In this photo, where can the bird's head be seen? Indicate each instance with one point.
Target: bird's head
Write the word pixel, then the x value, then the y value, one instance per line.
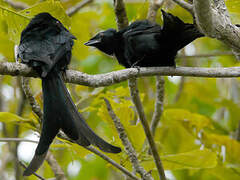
pixel 45 19
pixel 104 41
pixel 42 22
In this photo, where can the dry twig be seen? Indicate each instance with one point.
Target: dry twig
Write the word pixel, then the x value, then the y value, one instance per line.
pixel 127 144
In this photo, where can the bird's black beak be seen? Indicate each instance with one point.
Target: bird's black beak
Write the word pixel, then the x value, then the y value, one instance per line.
pixel 92 42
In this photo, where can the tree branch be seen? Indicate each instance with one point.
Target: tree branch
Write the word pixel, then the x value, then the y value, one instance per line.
pixel 35 106
pixel 72 10
pixel 118 166
pixel 17 140
pixel 107 79
pixel 153 8
pixel 58 172
pixel 214 21
pixel 180 89
pixel 35 174
pixel 127 144
pixel 90 148
pixel 137 102
pixel 152 12
pixel 121 15
pixel 158 104
pixel 185 5
pixel 213 54
pixel 16 5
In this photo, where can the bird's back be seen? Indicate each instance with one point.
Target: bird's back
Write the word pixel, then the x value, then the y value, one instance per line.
pixel 43 46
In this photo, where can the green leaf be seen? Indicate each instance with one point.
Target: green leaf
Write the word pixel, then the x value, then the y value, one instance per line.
pixel 197 159
pixel 188 119
pixel 232 146
pixel 17 21
pixel 7 117
pixel 224 173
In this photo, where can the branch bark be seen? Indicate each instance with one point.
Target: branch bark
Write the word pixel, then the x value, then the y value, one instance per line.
pixel 127 144
pixel 153 8
pixel 16 5
pixel 121 15
pixel 185 5
pixel 213 54
pixel 115 164
pixel 29 95
pixel 71 11
pixel 35 174
pixel 90 148
pixel 137 102
pixel 214 21
pixel 107 79
pixel 58 172
pixel 158 104
pixel 152 12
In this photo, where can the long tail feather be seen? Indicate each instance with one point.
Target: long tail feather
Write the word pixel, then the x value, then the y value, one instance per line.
pixel 61 113
pixel 78 121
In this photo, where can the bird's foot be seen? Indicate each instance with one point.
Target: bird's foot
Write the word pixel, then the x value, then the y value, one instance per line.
pixel 138 67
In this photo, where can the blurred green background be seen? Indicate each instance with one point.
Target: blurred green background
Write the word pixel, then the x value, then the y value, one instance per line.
pixel 197 134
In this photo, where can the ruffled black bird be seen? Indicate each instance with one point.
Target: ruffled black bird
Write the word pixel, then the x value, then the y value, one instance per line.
pixel 147 44
pixel 46 46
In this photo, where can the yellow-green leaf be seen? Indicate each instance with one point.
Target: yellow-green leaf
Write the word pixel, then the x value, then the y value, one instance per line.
pixel 186 117
pixel 10 117
pixel 17 21
pixel 197 159
pixel 232 146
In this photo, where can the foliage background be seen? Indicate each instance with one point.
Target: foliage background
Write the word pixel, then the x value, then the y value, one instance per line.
pixel 197 132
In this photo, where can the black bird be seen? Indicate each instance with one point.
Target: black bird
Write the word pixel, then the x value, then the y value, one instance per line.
pixel 146 44
pixel 46 46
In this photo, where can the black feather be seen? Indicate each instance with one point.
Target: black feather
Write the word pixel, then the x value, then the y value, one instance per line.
pixel 147 44
pixel 46 46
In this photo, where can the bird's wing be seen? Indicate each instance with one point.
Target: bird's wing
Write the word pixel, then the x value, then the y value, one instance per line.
pixel 141 40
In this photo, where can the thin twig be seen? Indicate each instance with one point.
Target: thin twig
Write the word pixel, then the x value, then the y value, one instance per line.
pixel 180 89
pixel 35 106
pixel 122 22
pixel 115 164
pixel 17 5
pixel 238 132
pixel 214 54
pixel 153 8
pixel 121 15
pixel 158 104
pixel 127 144
pixel 58 172
pixel 19 112
pixel 38 176
pixel 90 148
pixel 17 140
pixel 72 10
pixel 185 5
pixel 152 12
pixel 137 102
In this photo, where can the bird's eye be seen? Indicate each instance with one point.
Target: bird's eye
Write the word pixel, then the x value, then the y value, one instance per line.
pixel 57 22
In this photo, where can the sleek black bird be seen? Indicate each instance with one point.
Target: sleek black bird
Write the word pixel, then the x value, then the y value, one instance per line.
pixel 146 44
pixel 46 46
